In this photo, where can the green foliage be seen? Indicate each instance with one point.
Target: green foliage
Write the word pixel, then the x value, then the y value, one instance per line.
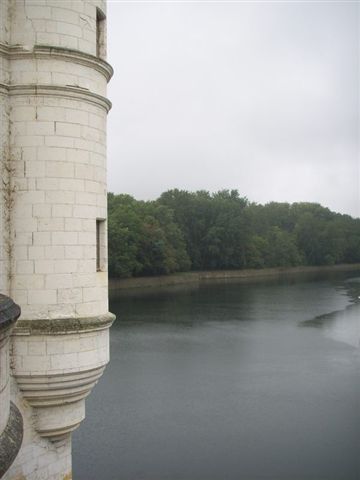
pixel 214 226
pixel 256 251
pixel 203 231
pixel 143 239
pixel 281 249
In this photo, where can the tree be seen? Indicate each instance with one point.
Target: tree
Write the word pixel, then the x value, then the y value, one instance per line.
pixel 143 238
pixel 281 249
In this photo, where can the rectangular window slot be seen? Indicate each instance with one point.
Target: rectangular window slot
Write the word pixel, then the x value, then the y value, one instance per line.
pixel 100 246
pixel 100 34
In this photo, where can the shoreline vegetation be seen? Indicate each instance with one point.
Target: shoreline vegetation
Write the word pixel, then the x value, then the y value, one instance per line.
pixel 184 278
pixel 223 235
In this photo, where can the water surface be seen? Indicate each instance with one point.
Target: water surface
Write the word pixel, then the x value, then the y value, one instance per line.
pixel 229 381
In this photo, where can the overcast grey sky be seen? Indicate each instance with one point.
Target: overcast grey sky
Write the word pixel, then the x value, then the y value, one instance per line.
pixel 262 97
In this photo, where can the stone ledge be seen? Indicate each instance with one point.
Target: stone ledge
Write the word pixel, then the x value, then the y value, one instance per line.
pixel 64 326
pixel 11 439
pixel 66 92
pixel 14 52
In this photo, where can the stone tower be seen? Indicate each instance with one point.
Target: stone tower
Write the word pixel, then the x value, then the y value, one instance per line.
pixel 53 252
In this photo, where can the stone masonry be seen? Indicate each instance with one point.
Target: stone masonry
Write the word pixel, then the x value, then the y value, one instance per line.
pixel 53 251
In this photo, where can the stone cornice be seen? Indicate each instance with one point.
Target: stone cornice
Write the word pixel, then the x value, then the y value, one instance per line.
pixel 63 326
pixel 67 91
pixel 59 53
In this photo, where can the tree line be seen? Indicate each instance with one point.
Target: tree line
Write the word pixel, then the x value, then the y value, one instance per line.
pixel 182 231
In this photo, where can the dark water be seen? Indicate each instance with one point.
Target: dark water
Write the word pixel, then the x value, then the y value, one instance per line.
pixel 229 381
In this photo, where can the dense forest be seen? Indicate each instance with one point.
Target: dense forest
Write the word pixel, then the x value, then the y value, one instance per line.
pixel 182 231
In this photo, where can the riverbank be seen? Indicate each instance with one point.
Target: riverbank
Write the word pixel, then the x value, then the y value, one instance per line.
pixel 116 284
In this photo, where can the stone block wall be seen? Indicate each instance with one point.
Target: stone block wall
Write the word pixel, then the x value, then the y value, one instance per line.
pixel 60 184
pixel 4 137
pixel 66 23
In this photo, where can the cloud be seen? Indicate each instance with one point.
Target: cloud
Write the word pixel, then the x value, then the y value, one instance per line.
pixel 262 97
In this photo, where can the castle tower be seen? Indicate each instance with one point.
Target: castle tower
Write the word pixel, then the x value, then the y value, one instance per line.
pixel 53 260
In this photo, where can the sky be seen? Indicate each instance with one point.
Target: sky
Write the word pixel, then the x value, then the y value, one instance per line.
pixel 262 97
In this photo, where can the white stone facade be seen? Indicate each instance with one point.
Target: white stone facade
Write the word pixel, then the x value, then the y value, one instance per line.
pixel 53 260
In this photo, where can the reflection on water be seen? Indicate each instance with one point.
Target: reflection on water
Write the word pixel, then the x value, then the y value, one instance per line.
pixel 219 382
pixel 343 325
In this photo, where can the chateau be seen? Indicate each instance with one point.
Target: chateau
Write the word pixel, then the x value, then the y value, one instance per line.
pixel 53 251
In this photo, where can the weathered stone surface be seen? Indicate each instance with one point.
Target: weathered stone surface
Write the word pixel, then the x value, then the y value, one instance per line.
pixel 9 312
pixel 64 325
pixel 10 440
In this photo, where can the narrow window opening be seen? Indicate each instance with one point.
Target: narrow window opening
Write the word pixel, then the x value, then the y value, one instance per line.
pixel 100 34
pixel 100 245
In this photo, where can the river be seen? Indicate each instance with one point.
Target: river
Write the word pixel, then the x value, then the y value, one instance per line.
pixel 229 381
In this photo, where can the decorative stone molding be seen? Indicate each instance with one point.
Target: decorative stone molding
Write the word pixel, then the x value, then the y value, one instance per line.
pixel 68 92
pixel 59 326
pixel 46 391
pixel 48 52
pixel 58 400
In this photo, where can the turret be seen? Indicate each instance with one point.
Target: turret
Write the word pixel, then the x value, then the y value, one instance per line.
pixel 53 78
